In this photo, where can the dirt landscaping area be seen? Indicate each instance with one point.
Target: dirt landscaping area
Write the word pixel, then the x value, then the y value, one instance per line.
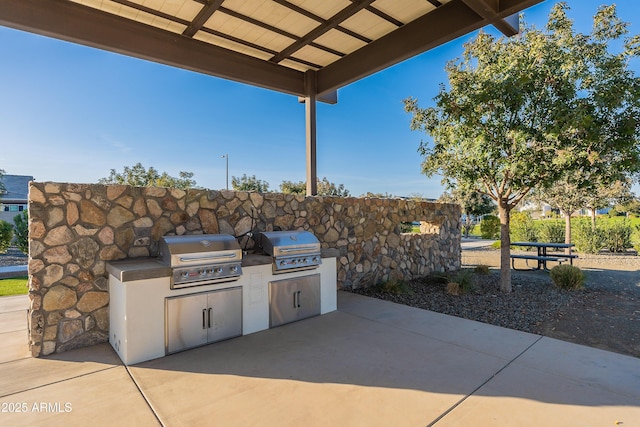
pixel 605 314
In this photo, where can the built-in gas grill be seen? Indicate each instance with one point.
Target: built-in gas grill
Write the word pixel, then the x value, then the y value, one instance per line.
pixel 201 259
pixel 291 250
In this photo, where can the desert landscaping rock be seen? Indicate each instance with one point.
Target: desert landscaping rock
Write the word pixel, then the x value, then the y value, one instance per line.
pixel 605 314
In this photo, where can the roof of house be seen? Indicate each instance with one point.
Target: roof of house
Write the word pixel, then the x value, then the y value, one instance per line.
pixel 16 188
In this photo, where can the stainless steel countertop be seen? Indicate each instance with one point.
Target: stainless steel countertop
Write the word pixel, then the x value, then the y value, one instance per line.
pixel 132 269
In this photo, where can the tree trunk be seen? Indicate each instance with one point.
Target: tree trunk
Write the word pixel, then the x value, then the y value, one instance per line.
pixel 467 221
pixel 505 250
pixel 567 231
pixel 593 220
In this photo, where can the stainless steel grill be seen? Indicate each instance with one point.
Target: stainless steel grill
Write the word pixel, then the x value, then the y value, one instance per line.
pixel 201 259
pixel 291 250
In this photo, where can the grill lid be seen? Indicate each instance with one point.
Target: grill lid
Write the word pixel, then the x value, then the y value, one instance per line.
pixel 199 249
pixel 287 243
pixel 291 250
pixel 201 259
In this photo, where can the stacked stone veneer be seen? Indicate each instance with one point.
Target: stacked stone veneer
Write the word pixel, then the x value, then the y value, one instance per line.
pixel 75 229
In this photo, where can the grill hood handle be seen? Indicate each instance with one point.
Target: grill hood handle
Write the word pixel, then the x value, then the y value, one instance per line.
pixel 299 248
pixel 202 258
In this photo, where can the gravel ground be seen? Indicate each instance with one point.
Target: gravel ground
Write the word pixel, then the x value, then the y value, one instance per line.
pixel 605 314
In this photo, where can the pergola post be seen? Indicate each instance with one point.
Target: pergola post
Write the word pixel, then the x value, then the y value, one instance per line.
pixel 310 131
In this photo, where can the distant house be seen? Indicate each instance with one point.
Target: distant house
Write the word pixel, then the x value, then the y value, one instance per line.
pixel 14 197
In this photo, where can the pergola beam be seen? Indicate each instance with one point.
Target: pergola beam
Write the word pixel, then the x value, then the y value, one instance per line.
pixel 444 24
pixel 80 24
pixel 488 10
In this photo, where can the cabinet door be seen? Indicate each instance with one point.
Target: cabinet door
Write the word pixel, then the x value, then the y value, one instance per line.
pixel 293 299
pixel 308 297
pixel 186 322
pixel 224 314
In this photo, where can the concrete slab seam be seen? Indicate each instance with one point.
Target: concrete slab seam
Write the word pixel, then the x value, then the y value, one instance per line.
pixel 56 382
pixel 144 396
pixel 458 403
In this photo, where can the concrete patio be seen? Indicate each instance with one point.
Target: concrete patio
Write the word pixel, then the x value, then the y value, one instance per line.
pixel 370 363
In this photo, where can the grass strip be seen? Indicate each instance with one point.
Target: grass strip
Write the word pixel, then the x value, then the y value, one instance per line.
pixel 14 286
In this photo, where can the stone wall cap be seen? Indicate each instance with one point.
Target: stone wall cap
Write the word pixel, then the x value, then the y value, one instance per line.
pixel 132 269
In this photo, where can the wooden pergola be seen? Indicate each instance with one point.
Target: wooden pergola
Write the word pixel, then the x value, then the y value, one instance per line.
pixel 306 48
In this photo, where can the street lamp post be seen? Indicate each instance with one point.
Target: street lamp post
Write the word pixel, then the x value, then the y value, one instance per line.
pixel 226 156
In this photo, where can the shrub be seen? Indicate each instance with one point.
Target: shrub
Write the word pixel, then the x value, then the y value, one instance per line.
pixel 586 239
pixel 617 236
pixel 490 227
pixel 394 286
pixel 406 227
pixel 460 284
pixel 481 269
pixel 567 276
pixel 6 234
pixel 552 231
pixel 523 228
pixel 21 230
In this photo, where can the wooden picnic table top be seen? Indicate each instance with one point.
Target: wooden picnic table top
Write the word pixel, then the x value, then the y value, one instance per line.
pixel 543 244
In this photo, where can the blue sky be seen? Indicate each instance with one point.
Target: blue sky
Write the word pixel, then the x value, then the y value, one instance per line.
pixel 70 113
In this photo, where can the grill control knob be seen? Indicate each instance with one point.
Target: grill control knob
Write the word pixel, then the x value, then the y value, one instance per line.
pixel 234 269
pixel 185 274
pixel 217 270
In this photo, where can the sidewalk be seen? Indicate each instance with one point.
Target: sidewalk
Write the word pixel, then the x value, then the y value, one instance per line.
pixel 371 363
pixel 13 271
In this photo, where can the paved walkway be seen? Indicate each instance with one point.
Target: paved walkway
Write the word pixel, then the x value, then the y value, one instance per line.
pixel 371 363
pixel 13 271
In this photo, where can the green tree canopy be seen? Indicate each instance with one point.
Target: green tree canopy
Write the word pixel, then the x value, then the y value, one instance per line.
pixel 21 231
pixel 249 183
pixel 139 176
pixel 472 203
pixel 520 112
pixel 325 188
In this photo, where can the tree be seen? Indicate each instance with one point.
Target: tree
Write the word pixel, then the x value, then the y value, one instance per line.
pixel 249 183
pixel 630 206
pixel 21 231
pixel 378 195
pixel 6 234
pixel 138 176
pixel 325 188
pixel 618 192
pixel 522 111
pixel 568 198
pixel 290 187
pixel 472 203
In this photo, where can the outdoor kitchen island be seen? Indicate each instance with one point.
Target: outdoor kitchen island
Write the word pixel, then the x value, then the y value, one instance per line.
pixel 140 293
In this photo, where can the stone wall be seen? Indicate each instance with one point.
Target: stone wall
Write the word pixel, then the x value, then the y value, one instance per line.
pixel 74 229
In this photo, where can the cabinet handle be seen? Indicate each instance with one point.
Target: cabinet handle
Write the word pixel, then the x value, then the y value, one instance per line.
pixel 204 310
pixel 296 299
pixel 209 317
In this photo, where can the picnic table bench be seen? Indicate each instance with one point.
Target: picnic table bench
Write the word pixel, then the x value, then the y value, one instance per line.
pixel 543 256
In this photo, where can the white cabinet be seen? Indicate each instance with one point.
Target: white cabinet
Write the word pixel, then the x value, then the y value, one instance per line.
pixel 203 318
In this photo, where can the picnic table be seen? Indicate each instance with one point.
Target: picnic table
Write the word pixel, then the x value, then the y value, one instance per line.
pixel 543 256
